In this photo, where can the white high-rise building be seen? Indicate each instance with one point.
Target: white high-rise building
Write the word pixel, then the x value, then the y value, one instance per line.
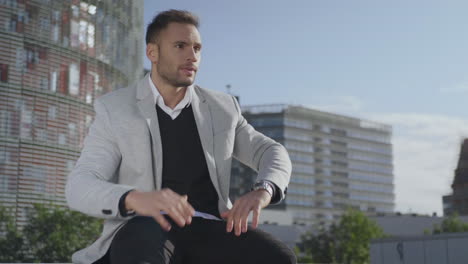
pixel 338 162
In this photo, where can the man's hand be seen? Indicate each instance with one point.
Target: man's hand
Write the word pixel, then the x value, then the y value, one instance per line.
pixel 152 203
pixel 238 215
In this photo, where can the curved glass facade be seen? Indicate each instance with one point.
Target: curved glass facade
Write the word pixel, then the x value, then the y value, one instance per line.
pixel 56 57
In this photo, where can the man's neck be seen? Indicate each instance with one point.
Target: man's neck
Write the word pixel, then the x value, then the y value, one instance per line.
pixel 170 94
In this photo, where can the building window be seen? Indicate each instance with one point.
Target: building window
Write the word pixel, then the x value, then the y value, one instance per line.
pixel 74 80
pixel 338 143
pixel 74 34
pixel 52 115
pixel 4 157
pixel 26 122
pixel 3 72
pixel 62 139
pixel 44 83
pixel 339 153
pixel 89 98
pixel 32 57
pixel 53 81
pixel 37 176
pixel 72 129
pixel 13 23
pixel 338 132
pixel 63 79
pixel 41 134
pixel 339 163
pixel 4 186
pixel 339 174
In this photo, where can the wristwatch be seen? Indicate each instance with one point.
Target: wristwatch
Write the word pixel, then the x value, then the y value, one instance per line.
pixel 263 185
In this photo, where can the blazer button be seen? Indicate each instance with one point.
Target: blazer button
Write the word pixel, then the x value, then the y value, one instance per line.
pixel 107 211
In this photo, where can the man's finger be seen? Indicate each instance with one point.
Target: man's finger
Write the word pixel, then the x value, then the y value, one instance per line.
pixel 238 221
pixel 185 210
pixel 176 216
pixel 244 217
pixel 229 224
pixel 189 210
pixel 244 221
pixel 238 226
pixel 162 222
pixel 180 204
pixel 255 218
pixel 232 218
pixel 187 207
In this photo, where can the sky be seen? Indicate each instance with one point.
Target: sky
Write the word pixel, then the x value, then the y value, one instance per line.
pixel 402 63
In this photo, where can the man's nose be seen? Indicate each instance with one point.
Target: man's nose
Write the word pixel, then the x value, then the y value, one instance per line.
pixel 193 55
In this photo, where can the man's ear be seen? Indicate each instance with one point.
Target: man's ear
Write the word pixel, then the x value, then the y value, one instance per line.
pixel 152 52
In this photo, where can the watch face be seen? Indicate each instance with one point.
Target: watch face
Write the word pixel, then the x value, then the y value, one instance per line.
pixel 259 184
pixel 263 186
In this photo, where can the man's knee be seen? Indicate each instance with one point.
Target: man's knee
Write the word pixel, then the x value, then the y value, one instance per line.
pixel 272 250
pixel 141 228
pixel 141 239
pixel 283 256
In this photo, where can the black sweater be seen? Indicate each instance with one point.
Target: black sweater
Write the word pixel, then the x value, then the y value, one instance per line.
pixel 184 165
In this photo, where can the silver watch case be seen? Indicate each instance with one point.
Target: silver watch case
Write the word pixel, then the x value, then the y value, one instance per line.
pixel 263 185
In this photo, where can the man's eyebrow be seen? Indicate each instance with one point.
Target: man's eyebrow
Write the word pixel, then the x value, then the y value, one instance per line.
pixel 180 42
pixel 186 43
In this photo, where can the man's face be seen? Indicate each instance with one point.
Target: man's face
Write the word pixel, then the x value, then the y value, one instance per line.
pixel 179 54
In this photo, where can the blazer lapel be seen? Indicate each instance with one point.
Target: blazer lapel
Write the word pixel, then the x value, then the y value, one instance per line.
pixel 147 107
pixel 203 119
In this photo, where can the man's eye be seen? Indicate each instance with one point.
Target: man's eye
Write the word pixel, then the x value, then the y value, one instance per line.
pixel 197 48
pixel 179 46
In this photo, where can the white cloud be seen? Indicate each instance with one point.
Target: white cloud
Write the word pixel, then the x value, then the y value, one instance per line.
pixel 456 89
pixel 425 152
pixel 426 149
pixel 347 104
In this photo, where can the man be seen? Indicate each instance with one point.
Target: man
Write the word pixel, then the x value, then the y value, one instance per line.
pixel 156 165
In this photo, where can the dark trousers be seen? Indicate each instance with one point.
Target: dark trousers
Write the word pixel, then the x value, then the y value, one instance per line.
pixel 142 240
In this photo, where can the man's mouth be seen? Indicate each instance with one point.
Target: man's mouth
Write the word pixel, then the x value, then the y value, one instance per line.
pixel 189 70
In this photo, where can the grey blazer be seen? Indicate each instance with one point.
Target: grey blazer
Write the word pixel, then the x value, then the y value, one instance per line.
pixel 122 151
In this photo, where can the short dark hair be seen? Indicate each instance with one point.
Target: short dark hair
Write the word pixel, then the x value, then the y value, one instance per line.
pixel 162 20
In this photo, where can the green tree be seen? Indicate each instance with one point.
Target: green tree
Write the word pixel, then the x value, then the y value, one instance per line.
pixel 52 234
pixel 11 242
pixel 345 242
pixel 317 248
pixel 302 257
pixel 451 224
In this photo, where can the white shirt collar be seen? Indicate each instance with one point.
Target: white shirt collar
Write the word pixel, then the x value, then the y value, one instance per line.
pixel 185 102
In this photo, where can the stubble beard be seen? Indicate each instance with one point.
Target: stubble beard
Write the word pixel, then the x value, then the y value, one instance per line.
pixel 172 79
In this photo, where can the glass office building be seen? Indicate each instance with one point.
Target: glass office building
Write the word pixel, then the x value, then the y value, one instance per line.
pixel 56 57
pixel 338 162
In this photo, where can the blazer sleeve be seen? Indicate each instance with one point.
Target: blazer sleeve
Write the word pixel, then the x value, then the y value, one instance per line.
pixel 91 186
pixel 261 153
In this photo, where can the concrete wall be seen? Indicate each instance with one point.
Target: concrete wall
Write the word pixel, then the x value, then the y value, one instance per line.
pixel 429 249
